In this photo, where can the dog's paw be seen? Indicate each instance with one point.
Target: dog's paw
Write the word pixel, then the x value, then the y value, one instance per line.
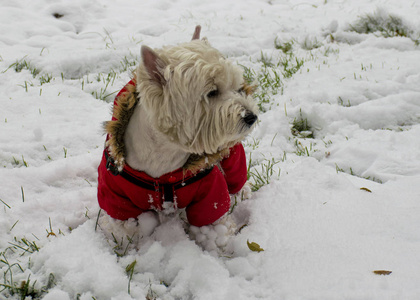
pixel 147 222
pixel 214 238
pixel 120 234
pixel 126 235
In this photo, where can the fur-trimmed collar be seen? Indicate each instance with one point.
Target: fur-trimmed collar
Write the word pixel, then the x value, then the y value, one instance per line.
pixel 123 109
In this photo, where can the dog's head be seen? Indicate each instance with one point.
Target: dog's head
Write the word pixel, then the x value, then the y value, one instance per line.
pixel 195 96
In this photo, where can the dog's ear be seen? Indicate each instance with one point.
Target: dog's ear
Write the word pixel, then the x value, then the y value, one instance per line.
pixel 153 64
pixel 196 35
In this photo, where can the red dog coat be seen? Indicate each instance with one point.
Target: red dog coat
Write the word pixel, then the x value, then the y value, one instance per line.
pixel 205 195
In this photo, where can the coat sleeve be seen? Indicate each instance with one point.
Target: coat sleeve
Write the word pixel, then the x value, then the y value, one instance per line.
pixel 211 201
pixel 234 167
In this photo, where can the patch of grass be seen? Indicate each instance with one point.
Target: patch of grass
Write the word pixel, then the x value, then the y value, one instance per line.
pixel 302 130
pixel 385 24
pixel 17 281
pixel 373 179
pixel 270 84
pixel 11 287
pixel 25 245
pixel 301 127
pixel 108 80
pixel 302 150
pixel 46 78
pixel 25 289
pixel 128 63
pixel 269 79
pixel 330 50
pixel 254 144
pixel 290 65
pixel 26 85
pixel 273 70
pixel 341 102
pixel 262 177
pixel 352 173
pixel 23 64
pixel 286 47
pixel 249 75
pixel 265 60
pixel 8 274
pixel 122 246
pixel 310 43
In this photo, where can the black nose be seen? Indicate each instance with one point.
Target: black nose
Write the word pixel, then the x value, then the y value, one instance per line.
pixel 250 118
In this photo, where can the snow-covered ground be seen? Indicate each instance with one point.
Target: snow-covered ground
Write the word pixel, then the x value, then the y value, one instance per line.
pixel 341 203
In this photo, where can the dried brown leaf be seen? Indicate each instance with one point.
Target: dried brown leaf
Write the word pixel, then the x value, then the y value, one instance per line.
pixel 254 246
pixel 382 272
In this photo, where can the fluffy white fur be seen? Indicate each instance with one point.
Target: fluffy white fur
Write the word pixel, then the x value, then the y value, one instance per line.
pixel 191 102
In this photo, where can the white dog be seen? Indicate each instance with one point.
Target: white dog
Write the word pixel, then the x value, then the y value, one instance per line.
pixel 175 137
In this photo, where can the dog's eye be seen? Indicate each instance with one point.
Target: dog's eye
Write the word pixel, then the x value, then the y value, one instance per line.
pixel 241 90
pixel 213 93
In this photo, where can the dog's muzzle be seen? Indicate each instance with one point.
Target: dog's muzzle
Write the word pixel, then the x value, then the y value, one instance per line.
pixel 250 118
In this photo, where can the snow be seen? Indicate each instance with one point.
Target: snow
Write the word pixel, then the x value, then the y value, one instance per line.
pixel 338 206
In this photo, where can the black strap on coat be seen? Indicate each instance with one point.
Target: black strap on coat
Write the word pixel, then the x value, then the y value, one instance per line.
pixel 168 189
